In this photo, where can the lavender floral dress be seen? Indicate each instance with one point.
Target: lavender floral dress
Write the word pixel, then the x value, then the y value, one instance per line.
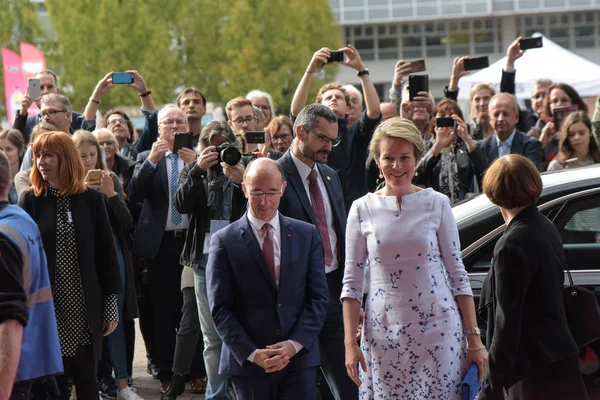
pixel 412 339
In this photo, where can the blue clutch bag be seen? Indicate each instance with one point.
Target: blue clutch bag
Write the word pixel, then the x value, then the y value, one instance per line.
pixel 471 384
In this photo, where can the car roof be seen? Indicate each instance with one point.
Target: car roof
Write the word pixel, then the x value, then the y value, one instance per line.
pixel 555 184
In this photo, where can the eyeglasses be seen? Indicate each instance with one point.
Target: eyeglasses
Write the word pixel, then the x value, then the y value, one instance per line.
pixel 264 108
pixel 283 137
pixel 173 121
pixel 269 195
pixel 240 121
pixel 50 113
pixel 325 139
pixel 107 143
pixel 117 121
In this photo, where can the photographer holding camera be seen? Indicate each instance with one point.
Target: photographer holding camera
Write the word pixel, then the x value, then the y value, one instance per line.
pixel 210 193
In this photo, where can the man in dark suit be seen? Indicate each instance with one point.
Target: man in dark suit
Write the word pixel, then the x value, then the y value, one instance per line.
pixel 161 231
pixel 504 115
pixel 267 294
pixel 314 194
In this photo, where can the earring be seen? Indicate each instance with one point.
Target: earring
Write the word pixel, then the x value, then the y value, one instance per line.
pixel 416 173
pixel 380 175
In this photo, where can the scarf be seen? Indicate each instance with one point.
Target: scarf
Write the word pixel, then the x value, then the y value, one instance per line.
pixel 449 181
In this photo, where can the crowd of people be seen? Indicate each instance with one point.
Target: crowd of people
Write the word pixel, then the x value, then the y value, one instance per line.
pixel 276 270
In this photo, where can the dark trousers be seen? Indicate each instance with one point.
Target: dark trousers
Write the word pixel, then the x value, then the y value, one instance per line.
pixel 331 343
pixel 130 345
pixel 82 368
pixel 560 381
pixel 164 281
pixel 281 385
pixel 188 349
pixel 146 321
pixel 21 391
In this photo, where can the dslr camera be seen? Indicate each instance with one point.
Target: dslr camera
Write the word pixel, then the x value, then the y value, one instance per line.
pixel 228 153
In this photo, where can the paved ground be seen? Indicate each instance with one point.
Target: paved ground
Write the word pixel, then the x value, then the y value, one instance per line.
pixel 148 387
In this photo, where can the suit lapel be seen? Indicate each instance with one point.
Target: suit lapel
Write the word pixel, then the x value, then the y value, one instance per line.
pixel 286 249
pixel 161 170
pixel 254 249
pixel 294 180
pixel 493 148
pixel 516 146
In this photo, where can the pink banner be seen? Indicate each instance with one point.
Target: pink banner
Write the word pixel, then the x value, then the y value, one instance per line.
pixel 33 61
pixel 13 82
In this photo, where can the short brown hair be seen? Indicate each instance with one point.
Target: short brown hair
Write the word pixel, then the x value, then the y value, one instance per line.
pixel 568 89
pixel 189 90
pixel 512 181
pixel 331 86
pixel 444 107
pixel 276 124
pixel 397 128
pixel 15 137
pixel 128 122
pixel 40 128
pixel 238 102
pixel 70 167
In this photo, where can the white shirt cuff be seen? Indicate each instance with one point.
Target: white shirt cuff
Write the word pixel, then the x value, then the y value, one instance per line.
pixel 296 345
pixel 509 69
pixel 151 163
pixel 252 355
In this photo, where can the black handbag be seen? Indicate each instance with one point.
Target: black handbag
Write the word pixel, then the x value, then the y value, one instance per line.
pixel 583 313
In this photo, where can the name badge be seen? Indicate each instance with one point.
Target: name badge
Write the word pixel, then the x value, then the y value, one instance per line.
pixel 69 217
pixel 215 226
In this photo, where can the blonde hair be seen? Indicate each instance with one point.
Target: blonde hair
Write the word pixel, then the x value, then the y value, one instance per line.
pixel 82 137
pixel 105 131
pixel 397 128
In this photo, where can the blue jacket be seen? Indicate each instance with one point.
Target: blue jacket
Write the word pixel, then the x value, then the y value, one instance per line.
pixel 40 351
pixel 249 311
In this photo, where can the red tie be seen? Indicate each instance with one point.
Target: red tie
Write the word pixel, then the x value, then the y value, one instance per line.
pixel 318 206
pixel 269 249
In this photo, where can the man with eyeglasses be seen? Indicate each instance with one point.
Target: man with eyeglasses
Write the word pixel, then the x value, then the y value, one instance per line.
pixel 161 231
pixel 314 194
pixel 240 114
pixel 267 294
pixel 350 157
pixel 48 85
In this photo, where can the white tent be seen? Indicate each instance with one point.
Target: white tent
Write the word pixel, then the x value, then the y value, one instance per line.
pixel 550 62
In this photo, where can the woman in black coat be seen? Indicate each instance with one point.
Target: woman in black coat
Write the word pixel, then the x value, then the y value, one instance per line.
pixel 532 354
pixel 82 263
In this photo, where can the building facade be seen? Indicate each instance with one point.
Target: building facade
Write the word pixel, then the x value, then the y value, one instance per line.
pixel 385 31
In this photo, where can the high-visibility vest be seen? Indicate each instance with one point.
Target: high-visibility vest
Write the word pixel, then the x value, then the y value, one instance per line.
pixel 40 350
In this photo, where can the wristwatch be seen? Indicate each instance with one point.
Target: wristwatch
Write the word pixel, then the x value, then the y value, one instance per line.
pixel 363 72
pixel 474 331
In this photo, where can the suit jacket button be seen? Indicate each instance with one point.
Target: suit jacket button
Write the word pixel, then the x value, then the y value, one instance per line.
pixel 279 305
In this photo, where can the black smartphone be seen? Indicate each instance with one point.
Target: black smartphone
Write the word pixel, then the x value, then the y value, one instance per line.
pixel 416 84
pixel 531 43
pixel 122 78
pixel 472 64
pixel 255 137
pixel 559 114
pixel 417 65
pixel 444 122
pixel 183 139
pixel 335 56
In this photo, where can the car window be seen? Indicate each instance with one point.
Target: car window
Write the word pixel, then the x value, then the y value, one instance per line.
pixel 583 227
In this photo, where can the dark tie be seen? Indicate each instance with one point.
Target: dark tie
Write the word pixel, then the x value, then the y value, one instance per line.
pixel 269 249
pixel 316 198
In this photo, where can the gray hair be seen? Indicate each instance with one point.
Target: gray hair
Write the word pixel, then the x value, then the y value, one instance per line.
pixel 48 72
pixel 259 114
pixel 510 97
pixel 105 131
pixel 216 129
pixel 168 107
pixel 543 82
pixel 57 98
pixel 309 117
pixel 352 89
pixel 257 93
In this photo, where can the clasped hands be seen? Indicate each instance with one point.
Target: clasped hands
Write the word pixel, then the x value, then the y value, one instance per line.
pixel 275 357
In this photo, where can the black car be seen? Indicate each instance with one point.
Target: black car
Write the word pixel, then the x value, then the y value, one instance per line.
pixel 570 199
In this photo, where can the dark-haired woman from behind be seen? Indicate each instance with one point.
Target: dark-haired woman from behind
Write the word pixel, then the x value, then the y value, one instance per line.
pixel 532 354
pixel 577 146
pixel 12 144
pixel 82 262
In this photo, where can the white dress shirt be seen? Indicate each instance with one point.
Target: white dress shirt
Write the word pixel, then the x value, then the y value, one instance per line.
pixel 504 147
pixel 257 225
pixel 185 219
pixel 304 171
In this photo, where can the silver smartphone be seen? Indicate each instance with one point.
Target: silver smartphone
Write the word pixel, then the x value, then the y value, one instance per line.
pixel 34 89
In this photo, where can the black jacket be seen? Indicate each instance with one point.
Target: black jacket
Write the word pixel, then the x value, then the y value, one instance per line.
pixel 522 300
pixel 99 268
pixel 192 199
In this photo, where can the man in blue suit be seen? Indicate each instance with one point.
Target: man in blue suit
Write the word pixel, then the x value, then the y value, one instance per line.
pixel 160 233
pixel 504 116
pixel 314 195
pixel 267 293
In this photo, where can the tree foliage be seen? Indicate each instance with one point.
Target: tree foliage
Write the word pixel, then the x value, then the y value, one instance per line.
pixel 225 48
pixel 19 22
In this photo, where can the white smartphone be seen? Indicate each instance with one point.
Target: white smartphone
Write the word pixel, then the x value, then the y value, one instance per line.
pixel 34 89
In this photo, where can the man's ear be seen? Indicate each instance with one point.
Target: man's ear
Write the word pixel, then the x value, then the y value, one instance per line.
pixel 230 123
pixel 300 133
pixel 57 90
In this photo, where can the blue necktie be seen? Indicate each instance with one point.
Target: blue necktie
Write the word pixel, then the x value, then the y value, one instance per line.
pixel 175 216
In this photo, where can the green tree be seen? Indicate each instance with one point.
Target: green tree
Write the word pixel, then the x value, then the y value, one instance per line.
pixel 19 22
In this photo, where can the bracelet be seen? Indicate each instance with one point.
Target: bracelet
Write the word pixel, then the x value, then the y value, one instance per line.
pixel 363 72
pixel 95 101
pixel 145 94
pixel 482 347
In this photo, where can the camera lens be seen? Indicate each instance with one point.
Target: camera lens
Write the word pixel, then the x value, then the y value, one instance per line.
pixel 231 155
